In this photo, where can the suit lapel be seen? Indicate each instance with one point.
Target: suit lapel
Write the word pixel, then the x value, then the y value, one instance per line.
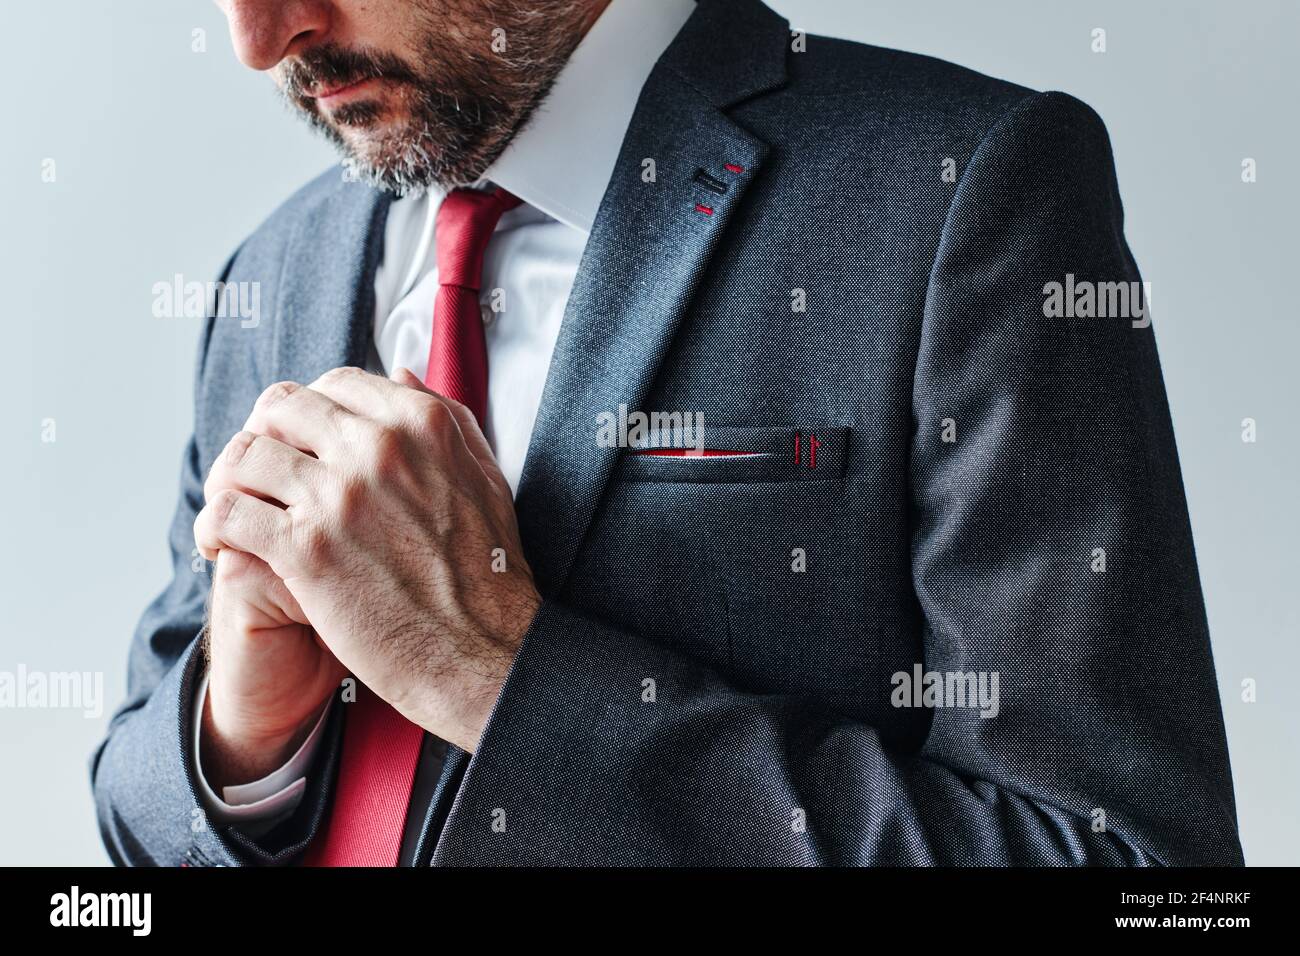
pixel 649 247
pixel 325 316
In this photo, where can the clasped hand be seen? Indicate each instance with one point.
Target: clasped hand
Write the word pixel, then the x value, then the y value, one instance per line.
pixel 378 507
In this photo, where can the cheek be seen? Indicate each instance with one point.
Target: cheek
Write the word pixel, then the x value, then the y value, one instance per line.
pixel 394 27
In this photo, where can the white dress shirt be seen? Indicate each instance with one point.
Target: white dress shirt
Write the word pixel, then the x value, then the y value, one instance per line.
pixel 559 165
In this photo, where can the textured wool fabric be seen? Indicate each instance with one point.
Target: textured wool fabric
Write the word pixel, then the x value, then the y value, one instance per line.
pixel 711 677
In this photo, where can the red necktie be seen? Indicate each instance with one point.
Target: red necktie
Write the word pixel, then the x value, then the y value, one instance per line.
pixel 458 353
pixel 381 748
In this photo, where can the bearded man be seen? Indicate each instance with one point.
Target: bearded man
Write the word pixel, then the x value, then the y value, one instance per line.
pixel 444 623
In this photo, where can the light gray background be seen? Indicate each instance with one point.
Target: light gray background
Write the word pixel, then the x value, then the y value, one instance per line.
pixel 167 158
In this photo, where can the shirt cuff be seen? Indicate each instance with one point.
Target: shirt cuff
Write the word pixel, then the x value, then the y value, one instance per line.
pixel 259 806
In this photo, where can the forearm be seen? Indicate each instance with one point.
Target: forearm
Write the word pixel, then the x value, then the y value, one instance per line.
pixel 232 757
pixel 261 798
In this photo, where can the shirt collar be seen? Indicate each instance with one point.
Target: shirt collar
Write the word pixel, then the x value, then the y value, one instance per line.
pixel 562 159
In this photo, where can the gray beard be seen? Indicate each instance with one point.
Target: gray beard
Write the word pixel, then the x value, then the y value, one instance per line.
pixel 453 132
pixel 424 154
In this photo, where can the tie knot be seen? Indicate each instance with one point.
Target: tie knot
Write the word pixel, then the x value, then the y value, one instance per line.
pixel 466 220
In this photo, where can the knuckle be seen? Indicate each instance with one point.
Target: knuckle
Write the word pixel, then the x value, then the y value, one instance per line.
pixel 435 416
pixel 225 506
pixel 341 374
pixel 276 393
pixel 455 408
pixel 200 531
pixel 238 447
pixel 210 485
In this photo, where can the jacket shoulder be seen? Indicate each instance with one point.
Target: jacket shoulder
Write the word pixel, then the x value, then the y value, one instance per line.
pixel 320 194
pixel 834 67
pixel 842 95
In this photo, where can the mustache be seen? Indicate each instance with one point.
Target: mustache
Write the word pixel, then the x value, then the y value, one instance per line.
pixel 332 66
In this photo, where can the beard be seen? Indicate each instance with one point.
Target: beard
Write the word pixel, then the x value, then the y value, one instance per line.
pixel 447 114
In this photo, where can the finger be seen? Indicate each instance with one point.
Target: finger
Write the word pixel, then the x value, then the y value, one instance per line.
pixel 367 395
pixel 233 519
pixel 252 585
pixel 263 466
pixel 302 418
pixel 470 431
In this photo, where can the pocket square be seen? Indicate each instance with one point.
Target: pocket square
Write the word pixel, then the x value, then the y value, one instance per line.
pixel 739 453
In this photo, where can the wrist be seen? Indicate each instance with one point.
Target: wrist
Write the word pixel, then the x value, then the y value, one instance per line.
pixel 480 695
pixel 234 753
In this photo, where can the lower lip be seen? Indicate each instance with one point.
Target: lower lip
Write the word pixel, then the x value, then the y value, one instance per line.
pixel 346 94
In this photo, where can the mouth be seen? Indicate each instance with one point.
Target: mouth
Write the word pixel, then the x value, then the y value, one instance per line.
pixel 338 95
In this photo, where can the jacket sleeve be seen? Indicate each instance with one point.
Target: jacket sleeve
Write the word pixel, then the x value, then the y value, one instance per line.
pixel 146 794
pixel 1050 545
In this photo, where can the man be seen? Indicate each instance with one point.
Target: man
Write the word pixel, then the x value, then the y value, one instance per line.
pixel 921 590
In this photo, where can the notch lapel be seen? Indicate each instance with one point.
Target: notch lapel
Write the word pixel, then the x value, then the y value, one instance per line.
pixel 649 248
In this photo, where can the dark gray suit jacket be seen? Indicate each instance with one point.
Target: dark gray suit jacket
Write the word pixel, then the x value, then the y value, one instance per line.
pixel 973 457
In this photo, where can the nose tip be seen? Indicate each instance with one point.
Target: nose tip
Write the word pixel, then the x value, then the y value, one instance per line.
pixel 264 32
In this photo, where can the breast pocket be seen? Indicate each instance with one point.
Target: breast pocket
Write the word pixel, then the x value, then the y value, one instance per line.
pixel 739 454
pixel 728 550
